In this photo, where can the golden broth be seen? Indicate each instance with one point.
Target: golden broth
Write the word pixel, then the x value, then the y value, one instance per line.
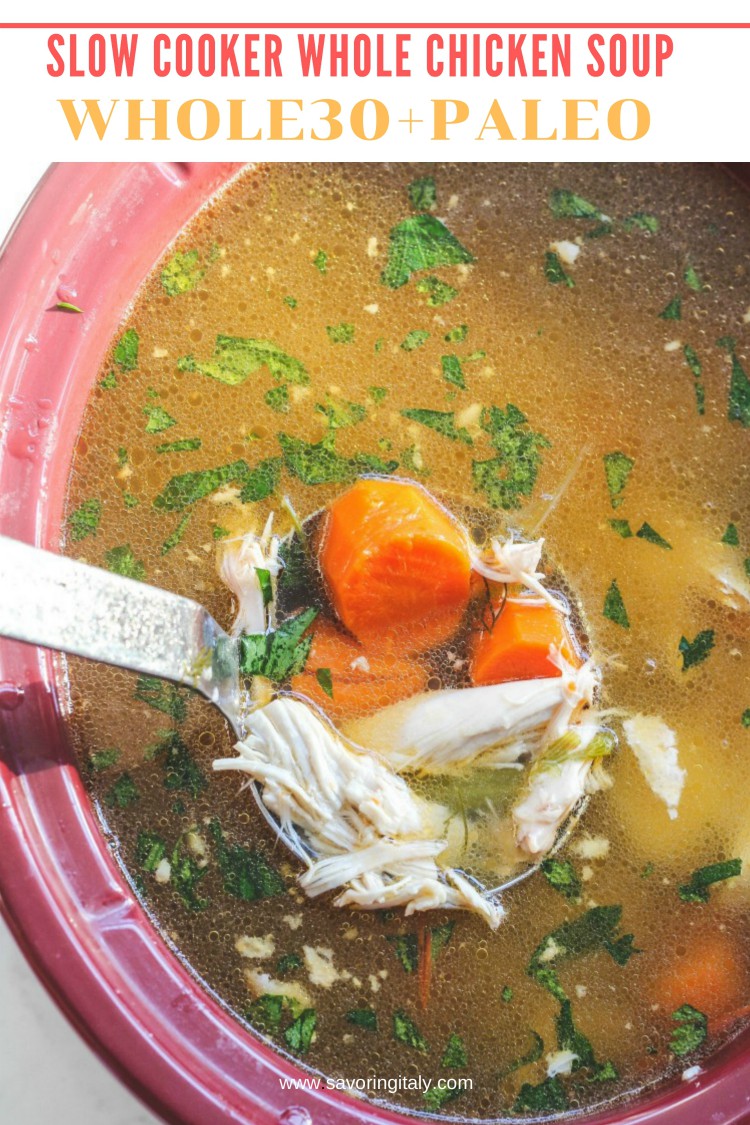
pixel 595 369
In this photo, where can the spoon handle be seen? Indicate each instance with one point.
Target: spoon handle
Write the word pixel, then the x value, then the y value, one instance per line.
pixel 53 601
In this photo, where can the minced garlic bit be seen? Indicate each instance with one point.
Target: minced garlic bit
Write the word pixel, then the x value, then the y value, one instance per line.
pixel 256 948
pixel 566 251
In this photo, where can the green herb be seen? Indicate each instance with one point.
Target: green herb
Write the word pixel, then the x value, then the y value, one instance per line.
pixel 377 394
pixel 646 531
pixel 696 651
pixel 442 422
pixel 566 204
pixel 512 474
pixel 673 310
pixel 406 946
pixel 129 500
pixel 507 994
pixel 218 532
pixel 421 242
pixel 691 358
pixel 423 194
pixel 739 386
pixel 188 488
pixel 622 527
pixel 319 463
pixel 291 302
pixel 641 221
pixel 181 772
pixel 266 1012
pixel 126 350
pixel 320 261
pixel 259 483
pixel 236 357
pixel 84 521
pixel 691 1032
pixel 324 678
pixel 123 793
pixel 181 273
pixel 692 280
pixel 185 876
pixel 121 560
pixel 413 462
pixel 406 1031
pixel 534 1053
pixel 158 419
pixel 745 718
pixel 438 292
pixel 696 890
pixel 246 874
pixel 363 1017
pixel 731 536
pixel 176 535
pixel 438 1096
pixel 614 606
pixel 341 413
pixel 457 335
pixel 66 306
pixel 475 356
pixel 265 583
pixel 561 874
pixel 122 457
pixel 441 935
pixel 278 399
pixel 280 654
pixel 184 445
pixel 454 1055
pixel 570 1038
pixel 599 230
pixel 298 1036
pixel 103 759
pixel 289 963
pixel 414 339
pixel 162 696
pixel 647 871
pixel 150 848
pixel 452 371
pixel 108 382
pixel 548 1097
pixel 617 469
pixel 340 333
pixel 595 929
pixel 554 270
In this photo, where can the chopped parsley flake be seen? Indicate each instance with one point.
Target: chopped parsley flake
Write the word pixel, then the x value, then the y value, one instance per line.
pixel 457 335
pixel 184 445
pixel 108 382
pixel 365 1018
pixel 566 204
pixel 646 531
pixel 237 357
pixel 341 413
pixel 84 521
pixel 639 220
pixel 181 771
pixel 548 1097
pixel 696 890
pixel 622 527
pixel 554 270
pixel 438 292
pixel 512 474
pixel 262 481
pixel 176 535
pixel 421 242
pixel 126 350
pixel 182 273
pixel 320 261
pixel 188 488
pixel 673 310
pixel 455 1055
pixel 614 606
pixel 340 333
pixel 324 678
pixel 289 963
pixel 423 194
pixel 299 1035
pixel 692 280
pixel 219 532
pixel 406 1031
pixel 185 876
pixel 121 560
pixel 378 394
pixel 319 463
pixel 452 371
pixel 691 1031
pixel 291 302
pixel 150 848
pixel 617 469
pixel 278 399
pixel 739 386
pixel 441 421
pixel 507 994
pixel 691 359
pixel 562 875
pixel 280 654
pixel 122 794
pixel 158 419
pixel 745 718
pixel 595 929
pixel 162 696
pixel 731 536
pixel 414 339
pixel 247 875
pixel 103 759
pixel 66 306
pixel 696 651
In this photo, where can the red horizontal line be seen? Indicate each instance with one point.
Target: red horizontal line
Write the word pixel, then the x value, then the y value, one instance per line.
pixel 376 26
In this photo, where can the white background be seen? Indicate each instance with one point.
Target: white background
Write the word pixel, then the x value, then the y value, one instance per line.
pixel 699 112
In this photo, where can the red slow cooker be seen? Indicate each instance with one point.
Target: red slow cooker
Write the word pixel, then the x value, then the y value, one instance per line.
pixel 90 234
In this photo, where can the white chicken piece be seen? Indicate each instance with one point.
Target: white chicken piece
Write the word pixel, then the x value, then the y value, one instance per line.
pixel 515 563
pixel 370 832
pixel 239 563
pixel 558 779
pixel 436 731
pixel 655 747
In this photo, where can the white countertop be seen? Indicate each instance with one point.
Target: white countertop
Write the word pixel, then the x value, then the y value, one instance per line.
pixel 48 1075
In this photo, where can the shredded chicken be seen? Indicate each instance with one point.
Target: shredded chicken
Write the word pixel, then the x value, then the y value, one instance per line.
pixel 516 563
pixel 361 819
pixel 655 747
pixel 239 563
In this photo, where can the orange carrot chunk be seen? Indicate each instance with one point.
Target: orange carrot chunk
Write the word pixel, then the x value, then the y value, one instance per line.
pixel 360 681
pixel 517 645
pixel 708 976
pixel 396 564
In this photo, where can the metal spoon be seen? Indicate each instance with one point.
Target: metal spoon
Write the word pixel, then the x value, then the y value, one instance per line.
pixel 53 601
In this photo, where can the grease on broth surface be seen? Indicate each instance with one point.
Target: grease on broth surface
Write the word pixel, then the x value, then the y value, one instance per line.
pixel 294 255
